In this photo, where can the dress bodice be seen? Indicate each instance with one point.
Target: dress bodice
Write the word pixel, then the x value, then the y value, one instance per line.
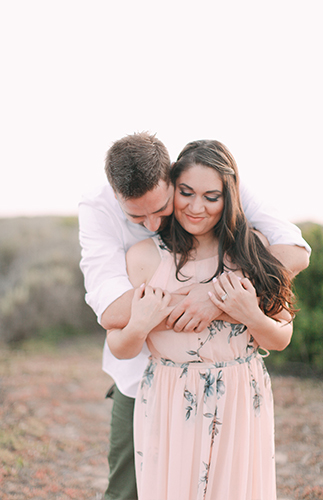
pixel 220 343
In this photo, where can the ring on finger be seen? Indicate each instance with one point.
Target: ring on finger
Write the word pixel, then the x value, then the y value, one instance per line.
pixel 224 296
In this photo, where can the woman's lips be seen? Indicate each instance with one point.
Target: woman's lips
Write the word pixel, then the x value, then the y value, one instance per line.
pixel 193 219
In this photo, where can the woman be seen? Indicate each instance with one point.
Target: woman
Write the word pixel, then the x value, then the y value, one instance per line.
pixel 204 411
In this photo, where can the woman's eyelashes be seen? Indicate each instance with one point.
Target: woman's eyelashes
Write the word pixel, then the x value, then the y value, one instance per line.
pixel 185 193
pixel 208 198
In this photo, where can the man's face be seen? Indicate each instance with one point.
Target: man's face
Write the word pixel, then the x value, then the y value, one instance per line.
pixel 150 209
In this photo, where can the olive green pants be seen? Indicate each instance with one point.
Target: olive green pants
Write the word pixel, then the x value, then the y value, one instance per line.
pixel 122 478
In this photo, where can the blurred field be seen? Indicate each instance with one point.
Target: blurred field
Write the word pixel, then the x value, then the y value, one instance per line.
pixel 55 425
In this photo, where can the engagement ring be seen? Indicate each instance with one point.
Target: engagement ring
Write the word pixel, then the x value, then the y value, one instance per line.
pixel 224 297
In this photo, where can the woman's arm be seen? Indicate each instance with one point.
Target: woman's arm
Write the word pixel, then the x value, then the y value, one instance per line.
pixel 237 297
pixel 142 260
pixel 148 308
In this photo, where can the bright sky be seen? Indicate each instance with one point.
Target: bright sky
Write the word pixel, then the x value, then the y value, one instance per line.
pixel 78 75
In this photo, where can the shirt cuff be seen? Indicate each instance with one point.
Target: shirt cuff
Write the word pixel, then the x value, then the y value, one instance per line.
pixel 107 293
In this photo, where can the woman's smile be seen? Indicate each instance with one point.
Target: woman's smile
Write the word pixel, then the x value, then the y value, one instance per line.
pixel 194 219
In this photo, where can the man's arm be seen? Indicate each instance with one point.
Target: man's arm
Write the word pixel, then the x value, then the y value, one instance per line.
pixel 285 239
pixel 293 257
pixel 117 315
pixel 103 253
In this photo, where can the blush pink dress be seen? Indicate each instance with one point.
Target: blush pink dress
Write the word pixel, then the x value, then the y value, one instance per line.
pixel 204 424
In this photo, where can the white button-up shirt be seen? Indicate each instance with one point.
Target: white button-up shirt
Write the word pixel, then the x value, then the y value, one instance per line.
pixel 106 235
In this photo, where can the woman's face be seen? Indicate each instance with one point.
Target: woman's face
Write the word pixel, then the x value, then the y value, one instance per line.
pixel 198 200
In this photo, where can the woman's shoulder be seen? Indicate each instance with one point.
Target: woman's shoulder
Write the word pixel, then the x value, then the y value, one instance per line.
pixel 142 261
pixel 146 245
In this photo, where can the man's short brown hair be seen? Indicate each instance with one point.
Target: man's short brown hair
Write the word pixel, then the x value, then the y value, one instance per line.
pixel 136 163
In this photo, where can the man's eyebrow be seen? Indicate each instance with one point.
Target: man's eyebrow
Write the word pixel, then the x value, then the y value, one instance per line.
pixel 162 208
pixel 157 211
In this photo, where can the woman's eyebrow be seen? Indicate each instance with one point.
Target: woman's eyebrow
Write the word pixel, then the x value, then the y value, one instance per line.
pixel 182 184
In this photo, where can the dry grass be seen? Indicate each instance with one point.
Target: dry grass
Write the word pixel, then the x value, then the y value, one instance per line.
pixel 55 426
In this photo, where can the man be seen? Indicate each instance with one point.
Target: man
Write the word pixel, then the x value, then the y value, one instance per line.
pixel 112 219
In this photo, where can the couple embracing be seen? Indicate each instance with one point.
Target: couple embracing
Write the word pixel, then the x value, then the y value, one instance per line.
pixel 191 278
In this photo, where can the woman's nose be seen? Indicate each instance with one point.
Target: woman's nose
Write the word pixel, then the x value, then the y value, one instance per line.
pixel 197 205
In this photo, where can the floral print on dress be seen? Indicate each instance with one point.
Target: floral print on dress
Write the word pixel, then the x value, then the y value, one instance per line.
pixel 148 374
pixel 257 397
pixel 236 330
pixel 191 398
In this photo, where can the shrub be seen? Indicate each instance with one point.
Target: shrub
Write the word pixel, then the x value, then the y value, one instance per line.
pixel 305 352
pixel 41 284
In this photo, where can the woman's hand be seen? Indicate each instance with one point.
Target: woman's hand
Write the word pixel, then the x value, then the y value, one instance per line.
pixel 235 296
pixel 149 307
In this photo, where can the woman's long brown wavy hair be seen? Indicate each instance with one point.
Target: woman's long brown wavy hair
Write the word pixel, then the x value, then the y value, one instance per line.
pixel 238 243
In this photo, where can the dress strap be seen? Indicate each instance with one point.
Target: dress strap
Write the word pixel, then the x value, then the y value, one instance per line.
pixel 161 247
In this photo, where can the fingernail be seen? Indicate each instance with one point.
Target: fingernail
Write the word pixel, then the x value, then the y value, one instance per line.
pixel 210 294
pixel 142 285
pixel 214 280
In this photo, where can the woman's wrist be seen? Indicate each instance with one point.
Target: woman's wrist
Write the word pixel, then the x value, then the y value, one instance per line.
pixel 136 330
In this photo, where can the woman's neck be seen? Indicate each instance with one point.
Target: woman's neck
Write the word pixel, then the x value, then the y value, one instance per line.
pixel 206 246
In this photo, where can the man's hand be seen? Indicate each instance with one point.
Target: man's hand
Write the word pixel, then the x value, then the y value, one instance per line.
pixel 196 311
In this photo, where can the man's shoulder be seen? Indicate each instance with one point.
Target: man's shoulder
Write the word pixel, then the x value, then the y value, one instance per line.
pixel 102 198
pixel 98 194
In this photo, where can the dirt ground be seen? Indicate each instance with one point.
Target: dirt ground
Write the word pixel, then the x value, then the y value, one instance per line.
pixel 54 430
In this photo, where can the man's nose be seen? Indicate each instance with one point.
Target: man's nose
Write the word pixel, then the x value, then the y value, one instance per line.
pixel 152 223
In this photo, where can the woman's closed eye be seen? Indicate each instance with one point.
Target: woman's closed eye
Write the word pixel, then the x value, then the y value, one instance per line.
pixel 185 193
pixel 212 198
pixel 208 198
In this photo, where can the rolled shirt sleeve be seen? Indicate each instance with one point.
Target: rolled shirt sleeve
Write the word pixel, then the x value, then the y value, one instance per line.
pixel 269 222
